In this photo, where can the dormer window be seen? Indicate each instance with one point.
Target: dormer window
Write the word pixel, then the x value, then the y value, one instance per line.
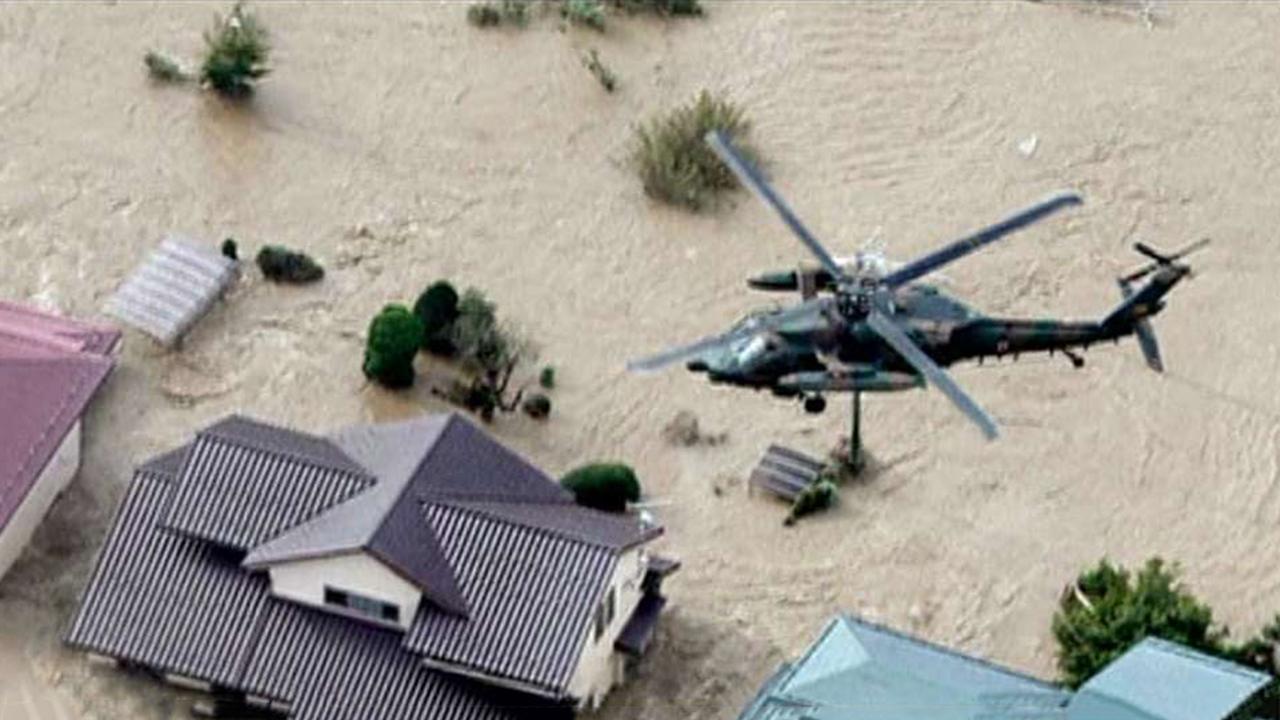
pixel 368 607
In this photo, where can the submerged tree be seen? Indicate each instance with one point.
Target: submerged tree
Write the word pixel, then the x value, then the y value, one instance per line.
pixel 236 53
pixel 281 264
pixel 673 159
pixel 437 307
pixel 1108 610
pixel 603 486
pixel 394 338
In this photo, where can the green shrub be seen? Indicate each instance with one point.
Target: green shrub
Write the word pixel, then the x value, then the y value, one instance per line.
pixel 673 159
pixel 662 7
pixel 603 486
pixel 481 343
pixel 280 264
pixel 515 12
pixel 163 68
pixel 547 378
pixel 491 14
pixel 437 308
pixel 589 13
pixel 236 54
pixel 230 250
pixel 537 406
pixel 818 496
pixel 602 73
pixel 1108 611
pixel 394 337
pixel 484 14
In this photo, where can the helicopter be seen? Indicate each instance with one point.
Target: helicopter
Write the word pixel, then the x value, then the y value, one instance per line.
pixel 865 325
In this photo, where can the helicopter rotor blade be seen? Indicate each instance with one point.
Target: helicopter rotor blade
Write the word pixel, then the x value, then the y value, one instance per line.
pixel 751 177
pixel 933 374
pixel 662 359
pixel 965 245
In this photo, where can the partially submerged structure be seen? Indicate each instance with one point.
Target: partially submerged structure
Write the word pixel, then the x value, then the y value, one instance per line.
pixel 50 369
pixel 417 569
pixel 172 289
pixel 858 670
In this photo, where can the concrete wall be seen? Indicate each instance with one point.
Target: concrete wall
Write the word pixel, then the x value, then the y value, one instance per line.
pixel 304 581
pixel 55 478
pixel 600 667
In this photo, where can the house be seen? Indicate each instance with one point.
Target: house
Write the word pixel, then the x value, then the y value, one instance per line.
pixel 858 670
pixel 407 570
pixel 50 369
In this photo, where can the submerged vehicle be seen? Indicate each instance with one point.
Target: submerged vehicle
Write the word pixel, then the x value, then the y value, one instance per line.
pixel 863 326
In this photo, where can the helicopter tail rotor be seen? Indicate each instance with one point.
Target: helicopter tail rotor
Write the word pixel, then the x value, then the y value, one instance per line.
pixel 1145 333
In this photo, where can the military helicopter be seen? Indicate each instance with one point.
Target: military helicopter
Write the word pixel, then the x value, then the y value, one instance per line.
pixel 863 327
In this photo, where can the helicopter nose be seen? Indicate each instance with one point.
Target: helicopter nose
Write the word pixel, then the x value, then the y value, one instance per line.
pixel 696 366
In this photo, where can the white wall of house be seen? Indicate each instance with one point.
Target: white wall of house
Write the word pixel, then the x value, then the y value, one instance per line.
pixel 53 480
pixel 600 667
pixel 304 581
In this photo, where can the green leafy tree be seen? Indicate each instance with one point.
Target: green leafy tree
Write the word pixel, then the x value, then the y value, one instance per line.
pixel 437 308
pixel 673 159
pixel 1108 610
pixel 394 338
pixel 588 13
pixel 236 53
pixel 603 486
pixel 662 7
pixel 483 344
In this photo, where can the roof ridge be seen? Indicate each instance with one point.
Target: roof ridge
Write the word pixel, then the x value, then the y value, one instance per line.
pixel 357 470
pixel 450 420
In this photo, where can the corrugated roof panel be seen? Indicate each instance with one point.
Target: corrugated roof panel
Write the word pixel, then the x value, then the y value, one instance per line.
pixel 239 496
pixel 165 601
pixel 338 669
pixel 172 289
pixel 530 594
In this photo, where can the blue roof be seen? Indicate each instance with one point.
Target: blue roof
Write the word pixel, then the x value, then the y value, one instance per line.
pixel 859 670
pixel 1160 680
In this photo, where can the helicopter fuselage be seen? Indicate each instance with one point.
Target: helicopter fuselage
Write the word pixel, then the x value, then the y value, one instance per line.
pixel 826 352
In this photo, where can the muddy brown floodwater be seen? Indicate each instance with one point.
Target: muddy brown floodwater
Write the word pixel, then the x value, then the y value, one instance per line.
pixel 399 145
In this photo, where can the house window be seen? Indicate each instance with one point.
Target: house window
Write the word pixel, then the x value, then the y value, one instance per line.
pixel 368 607
pixel 605 612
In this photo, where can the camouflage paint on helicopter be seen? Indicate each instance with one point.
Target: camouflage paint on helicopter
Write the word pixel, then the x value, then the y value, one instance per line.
pixel 865 328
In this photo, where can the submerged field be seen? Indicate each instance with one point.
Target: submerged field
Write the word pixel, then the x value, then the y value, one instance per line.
pixel 397 145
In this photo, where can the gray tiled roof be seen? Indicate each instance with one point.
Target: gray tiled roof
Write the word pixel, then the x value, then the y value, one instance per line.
pixel 331 668
pixel 167 601
pixel 179 605
pixel 574 522
pixel 483 525
pixel 531 595
pixel 415 461
pixel 244 482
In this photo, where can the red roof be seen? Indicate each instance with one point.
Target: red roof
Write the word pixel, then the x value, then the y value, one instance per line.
pixel 50 367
